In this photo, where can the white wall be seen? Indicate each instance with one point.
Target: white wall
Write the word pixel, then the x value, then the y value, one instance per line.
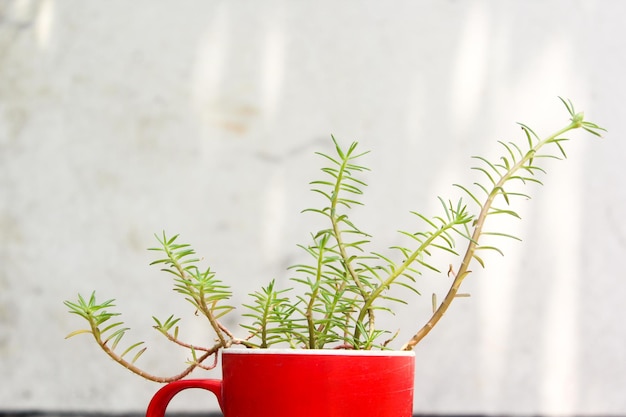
pixel 120 119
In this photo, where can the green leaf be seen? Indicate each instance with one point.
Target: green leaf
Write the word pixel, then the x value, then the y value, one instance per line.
pixel 569 106
pixel 468 193
pixel 500 211
pixel 479 259
pixel 138 355
pixel 77 332
pixel 484 171
pixel 106 329
pixel 502 235
pixel 130 348
pixel 493 248
pixel 486 161
pixel 503 193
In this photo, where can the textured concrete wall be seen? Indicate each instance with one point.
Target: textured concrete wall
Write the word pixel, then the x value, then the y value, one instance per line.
pixel 120 119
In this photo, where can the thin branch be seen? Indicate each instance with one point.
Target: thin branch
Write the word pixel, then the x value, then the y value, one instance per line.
pixel 463 270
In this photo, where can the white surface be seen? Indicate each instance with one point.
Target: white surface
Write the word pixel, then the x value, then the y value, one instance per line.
pixel 121 119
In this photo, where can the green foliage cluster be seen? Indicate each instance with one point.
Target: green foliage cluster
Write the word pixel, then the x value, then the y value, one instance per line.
pixel 345 284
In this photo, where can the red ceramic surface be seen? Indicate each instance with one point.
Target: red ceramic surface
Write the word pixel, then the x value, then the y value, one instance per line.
pixel 305 383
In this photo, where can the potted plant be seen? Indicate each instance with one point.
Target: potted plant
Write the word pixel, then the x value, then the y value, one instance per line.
pixel 332 358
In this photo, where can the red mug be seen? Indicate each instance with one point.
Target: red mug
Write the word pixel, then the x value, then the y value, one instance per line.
pixel 305 383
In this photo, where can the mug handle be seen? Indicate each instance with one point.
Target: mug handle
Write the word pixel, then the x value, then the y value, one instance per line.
pixel 162 398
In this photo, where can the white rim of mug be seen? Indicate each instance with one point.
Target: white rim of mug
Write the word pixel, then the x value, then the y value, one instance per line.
pixel 318 352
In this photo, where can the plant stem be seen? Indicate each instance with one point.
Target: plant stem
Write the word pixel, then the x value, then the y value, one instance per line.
pixel 200 301
pixel 463 270
pixel 217 327
pixel 133 368
pixel 342 247
pixel 376 293
pixel 314 294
